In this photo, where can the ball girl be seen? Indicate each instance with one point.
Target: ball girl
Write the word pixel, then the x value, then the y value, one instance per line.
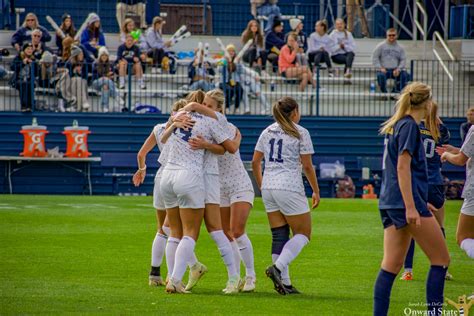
pixel 287 150
pixel 403 201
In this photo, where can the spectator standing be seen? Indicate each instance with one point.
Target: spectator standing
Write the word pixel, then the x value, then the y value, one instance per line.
pixel 124 7
pixel 271 11
pixel 354 7
pixel 23 34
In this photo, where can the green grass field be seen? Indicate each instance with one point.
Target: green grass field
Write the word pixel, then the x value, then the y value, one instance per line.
pixel 76 254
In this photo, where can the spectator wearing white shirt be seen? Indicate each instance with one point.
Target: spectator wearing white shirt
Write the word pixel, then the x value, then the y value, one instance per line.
pixel 343 52
pixel 320 46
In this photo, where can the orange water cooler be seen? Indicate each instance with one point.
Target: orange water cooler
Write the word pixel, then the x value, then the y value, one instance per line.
pixel 34 135
pixel 76 138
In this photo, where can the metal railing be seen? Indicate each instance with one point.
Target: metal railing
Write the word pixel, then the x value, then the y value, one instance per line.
pixel 417 27
pixel 437 36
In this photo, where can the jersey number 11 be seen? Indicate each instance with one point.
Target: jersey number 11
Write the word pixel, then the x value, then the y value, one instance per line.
pixel 279 143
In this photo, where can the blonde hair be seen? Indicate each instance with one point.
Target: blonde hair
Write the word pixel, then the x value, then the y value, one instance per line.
pixel 343 22
pixel 178 105
pixel 414 96
pixel 282 110
pixel 31 15
pixel 218 96
pixel 432 121
pixel 124 25
pixel 196 96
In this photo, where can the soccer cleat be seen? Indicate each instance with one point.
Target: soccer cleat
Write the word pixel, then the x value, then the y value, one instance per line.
pixel 291 289
pixel 232 286
pixel 155 280
pixel 249 285
pixel 195 274
pixel 275 275
pixel 407 276
pixel 176 287
pixel 448 277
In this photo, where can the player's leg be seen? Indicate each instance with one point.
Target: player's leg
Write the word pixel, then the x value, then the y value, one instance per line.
pixel 176 233
pixel 408 265
pixel 158 250
pixel 465 231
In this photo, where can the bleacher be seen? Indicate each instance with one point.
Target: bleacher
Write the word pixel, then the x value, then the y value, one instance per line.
pixel 350 139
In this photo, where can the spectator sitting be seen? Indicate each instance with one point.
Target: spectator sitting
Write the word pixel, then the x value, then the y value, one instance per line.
pixel 68 44
pixel 288 66
pixel 255 56
pixel 129 53
pixel 103 80
pixel 390 60
pixel 77 72
pixel 3 72
pixel 136 6
pixel 127 28
pixel 155 46
pixel 467 125
pixel 67 26
pixel 320 46
pixel 92 38
pixel 231 87
pixel 343 52
pixel 274 41
pixel 38 46
pixel 271 11
pixel 23 34
pixel 25 72
pixel 48 70
pixel 297 28
pixel 201 73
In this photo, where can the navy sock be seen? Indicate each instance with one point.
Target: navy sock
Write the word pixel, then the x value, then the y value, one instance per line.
pixel 280 236
pixel 435 289
pixel 409 256
pixel 444 233
pixel 382 290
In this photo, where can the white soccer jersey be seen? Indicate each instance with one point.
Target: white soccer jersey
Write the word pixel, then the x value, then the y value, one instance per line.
pixel 158 132
pixel 282 157
pixel 232 174
pixel 210 159
pixel 181 154
pixel 468 150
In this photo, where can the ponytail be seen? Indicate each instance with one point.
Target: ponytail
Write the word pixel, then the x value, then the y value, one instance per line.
pixel 432 121
pixel 196 96
pixel 282 110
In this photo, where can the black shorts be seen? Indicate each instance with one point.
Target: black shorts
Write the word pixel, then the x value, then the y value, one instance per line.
pixel 436 195
pixel 398 217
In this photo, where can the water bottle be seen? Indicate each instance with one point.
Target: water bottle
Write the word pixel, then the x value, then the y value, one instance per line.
pixel 372 87
pixel 34 122
pixel 75 124
pixel 272 85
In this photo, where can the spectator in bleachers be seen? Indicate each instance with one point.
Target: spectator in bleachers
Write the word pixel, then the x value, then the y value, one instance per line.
pixel 67 26
pixel 289 67
pixel 467 125
pixel 155 46
pixel 201 73
pixel 78 74
pixel 103 80
pixel 354 7
pixel 320 47
pixel 23 34
pixel 38 46
pixel 274 41
pixel 125 7
pixel 25 72
pixel 343 53
pixel 232 87
pixel 270 10
pixel 3 72
pixel 129 54
pixel 93 38
pixel 48 70
pixel 390 60
pixel 7 11
pixel 297 28
pixel 255 56
pixel 127 28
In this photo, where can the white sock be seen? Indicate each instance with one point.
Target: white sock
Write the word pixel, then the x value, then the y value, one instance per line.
pixel 192 260
pixel 246 253
pixel 170 250
pixel 183 255
pixel 122 81
pixel 236 255
pixel 285 274
pixel 166 230
pixel 158 249
pixel 225 249
pixel 291 250
pixel 140 81
pixel 468 246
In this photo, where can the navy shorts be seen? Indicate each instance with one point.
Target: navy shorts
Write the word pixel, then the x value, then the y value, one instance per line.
pixel 398 218
pixel 436 195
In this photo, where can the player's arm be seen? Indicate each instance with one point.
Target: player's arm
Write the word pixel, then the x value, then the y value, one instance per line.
pixel 147 146
pixel 310 174
pixel 257 167
pixel 404 182
pixel 199 142
pixel 201 109
pixel 182 121
pixel 459 159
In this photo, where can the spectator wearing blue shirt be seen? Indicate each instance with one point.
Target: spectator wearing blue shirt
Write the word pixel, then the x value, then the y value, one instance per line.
pixel 25 70
pixel 129 54
pixel 23 34
pixel 274 41
pixel 93 38
pixel 403 201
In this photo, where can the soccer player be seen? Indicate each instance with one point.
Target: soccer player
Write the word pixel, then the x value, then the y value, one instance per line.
pixel 461 157
pixel 403 201
pixel 287 149
pixel 434 134
pixel 236 196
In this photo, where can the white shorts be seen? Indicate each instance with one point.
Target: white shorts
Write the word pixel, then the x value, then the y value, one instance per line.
pixel 468 207
pixel 182 188
pixel 287 202
pixel 212 186
pixel 158 202
pixel 245 196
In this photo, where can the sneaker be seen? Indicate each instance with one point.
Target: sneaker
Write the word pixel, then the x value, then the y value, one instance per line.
pixel 142 86
pixel 195 274
pixel 348 74
pixel 61 106
pixel 121 101
pixel 232 286
pixel 121 86
pixel 291 289
pixel 448 277
pixel 407 276
pixel 173 287
pixel 249 285
pixel 155 280
pixel 106 110
pixel 86 106
pixel 275 275
pixel 330 74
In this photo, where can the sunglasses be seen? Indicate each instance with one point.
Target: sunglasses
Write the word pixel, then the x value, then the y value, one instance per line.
pixel 36 35
pixel 30 20
pixel 392 35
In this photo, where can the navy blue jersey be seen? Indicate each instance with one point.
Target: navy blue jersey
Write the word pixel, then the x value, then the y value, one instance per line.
pixel 405 136
pixel 433 160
